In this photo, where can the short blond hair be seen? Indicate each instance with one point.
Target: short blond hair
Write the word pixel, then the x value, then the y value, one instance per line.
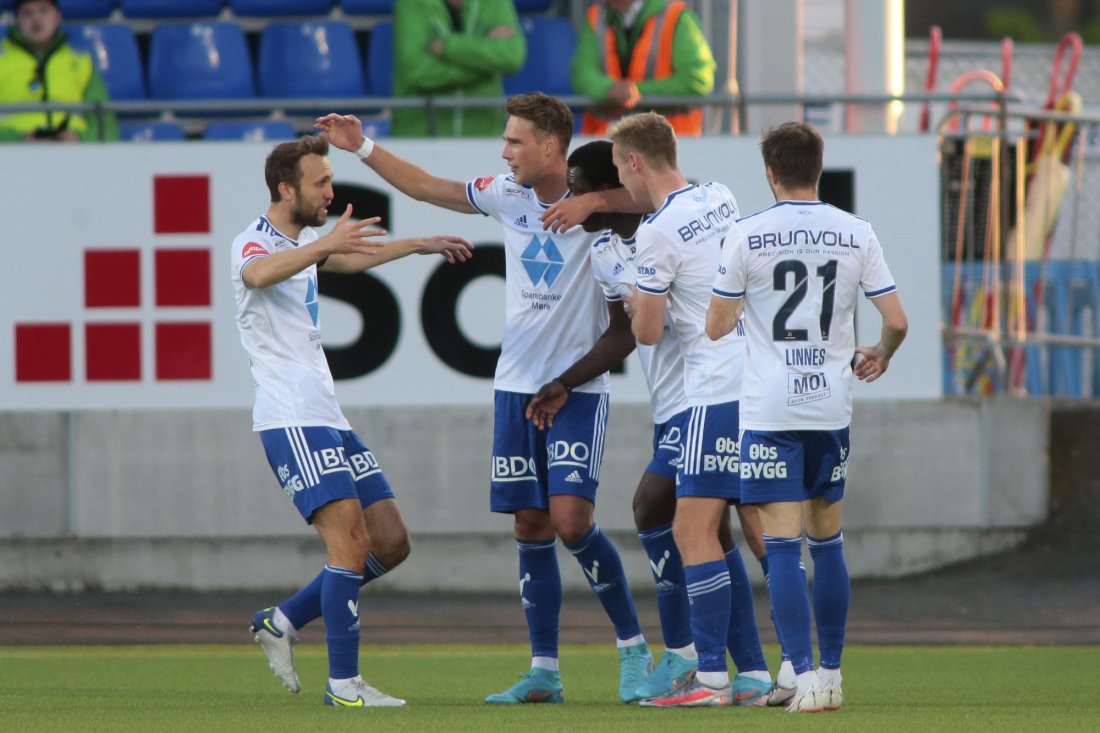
pixel 648 134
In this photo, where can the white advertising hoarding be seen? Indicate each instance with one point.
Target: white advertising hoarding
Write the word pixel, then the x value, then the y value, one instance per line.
pixel 116 289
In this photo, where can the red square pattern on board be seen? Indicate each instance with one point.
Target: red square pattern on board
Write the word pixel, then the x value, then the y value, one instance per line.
pixel 112 352
pixel 183 277
pixel 43 352
pixel 183 351
pixel 181 204
pixel 112 278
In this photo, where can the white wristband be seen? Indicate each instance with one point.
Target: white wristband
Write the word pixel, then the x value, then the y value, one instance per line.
pixel 365 149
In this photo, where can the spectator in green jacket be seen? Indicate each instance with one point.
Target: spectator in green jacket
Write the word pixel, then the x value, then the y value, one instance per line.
pixel 454 48
pixel 630 49
pixel 37 64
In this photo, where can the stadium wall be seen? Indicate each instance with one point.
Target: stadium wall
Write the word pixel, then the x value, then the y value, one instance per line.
pixel 124 423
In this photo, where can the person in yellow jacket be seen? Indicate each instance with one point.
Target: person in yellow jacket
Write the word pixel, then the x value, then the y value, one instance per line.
pixel 454 48
pixel 630 49
pixel 37 64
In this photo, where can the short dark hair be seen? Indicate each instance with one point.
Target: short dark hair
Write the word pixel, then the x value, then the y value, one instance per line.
pixel 596 165
pixel 548 115
pixel 795 152
pixel 284 162
pixel 21 3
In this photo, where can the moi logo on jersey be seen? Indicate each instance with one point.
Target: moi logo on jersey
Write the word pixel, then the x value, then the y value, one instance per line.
pixel 543 261
pixel 803 388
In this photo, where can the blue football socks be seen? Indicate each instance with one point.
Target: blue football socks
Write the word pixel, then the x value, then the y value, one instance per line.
pixel 604 570
pixel 790 599
pixel 668 573
pixel 708 587
pixel 541 595
pixel 305 605
pixel 743 637
pixel 832 593
pixel 340 610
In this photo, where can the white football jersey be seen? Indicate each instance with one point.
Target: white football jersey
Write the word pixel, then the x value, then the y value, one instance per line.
pixel 281 332
pixel 553 311
pixel 662 363
pixel 677 253
pixel 799 266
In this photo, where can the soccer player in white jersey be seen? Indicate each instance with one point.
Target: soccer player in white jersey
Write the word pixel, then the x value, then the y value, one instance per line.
pixel 330 475
pixel 546 479
pixel 677 251
pixel 592 172
pixel 796 271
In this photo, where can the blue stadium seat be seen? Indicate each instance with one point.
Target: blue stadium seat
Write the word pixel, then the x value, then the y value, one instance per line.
pixel 380 60
pixel 171 8
pixel 550 44
pixel 200 61
pixel 85 9
pixel 307 59
pixel 256 130
pixel 115 51
pixel 367 7
pixel 532 6
pixel 141 132
pixel 280 7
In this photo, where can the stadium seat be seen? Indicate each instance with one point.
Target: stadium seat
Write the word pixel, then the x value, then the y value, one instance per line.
pixel 275 8
pixel 307 59
pixel 256 130
pixel 140 132
pixel 171 8
pixel 200 61
pixel 115 51
pixel 380 60
pixel 532 6
pixel 549 41
pixel 85 9
pixel 367 7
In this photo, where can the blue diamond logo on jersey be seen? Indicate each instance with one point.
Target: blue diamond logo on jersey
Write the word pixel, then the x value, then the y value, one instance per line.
pixel 542 260
pixel 311 300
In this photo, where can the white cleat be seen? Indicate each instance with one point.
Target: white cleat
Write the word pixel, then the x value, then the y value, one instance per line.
pixel 355 693
pixel 808 698
pixel 278 646
pixel 828 689
pixel 786 685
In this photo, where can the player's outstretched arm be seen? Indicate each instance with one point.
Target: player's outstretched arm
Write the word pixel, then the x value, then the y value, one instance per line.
pixel 572 210
pixel 722 316
pixel 876 359
pixel 346 133
pixel 347 237
pixel 613 345
pixel 453 249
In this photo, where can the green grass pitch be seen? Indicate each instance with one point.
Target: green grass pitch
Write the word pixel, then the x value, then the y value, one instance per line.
pixel 163 689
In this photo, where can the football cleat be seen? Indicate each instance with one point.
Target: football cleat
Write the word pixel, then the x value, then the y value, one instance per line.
pixel 692 695
pixel 670 674
pixel 749 692
pixel 538 685
pixel 807 699
pixel 635 664
pixel 785 685
pixel 828 689
pixel 278 647
pixel 355 693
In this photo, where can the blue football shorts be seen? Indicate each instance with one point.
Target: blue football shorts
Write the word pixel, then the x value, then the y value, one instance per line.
pixel 793 465
pixel 709 463
pixel 531 465
pixel 666 447
pixel 320 465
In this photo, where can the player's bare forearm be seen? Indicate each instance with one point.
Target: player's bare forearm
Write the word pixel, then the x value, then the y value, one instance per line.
pixel 573 210
pixel 613 345
pixel 722 316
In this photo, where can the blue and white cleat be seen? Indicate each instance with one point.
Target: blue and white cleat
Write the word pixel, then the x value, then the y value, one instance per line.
pixel 670 674
pixel 635 664
pixel 278 646
pixel 749 692
pixel 538 685
pixel 355 693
